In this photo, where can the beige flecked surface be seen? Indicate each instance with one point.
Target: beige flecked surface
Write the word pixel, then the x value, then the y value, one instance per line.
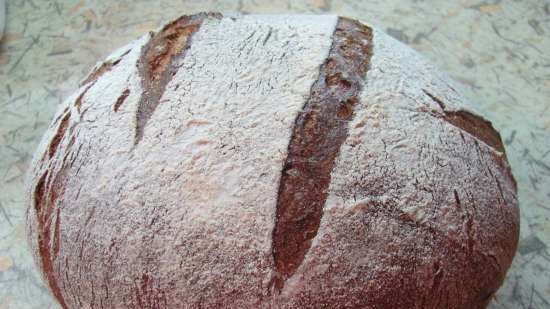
pixel 499 52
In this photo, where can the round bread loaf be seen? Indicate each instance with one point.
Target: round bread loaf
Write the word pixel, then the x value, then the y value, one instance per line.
pixel 270 162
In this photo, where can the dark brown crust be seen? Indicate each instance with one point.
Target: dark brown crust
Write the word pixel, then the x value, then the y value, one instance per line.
pixel 475 125
pixel 102 69
pixel 121 99
pixel 78 101
pixel 319 131
pixel 44 202
pixel 156 64
pixel 59 135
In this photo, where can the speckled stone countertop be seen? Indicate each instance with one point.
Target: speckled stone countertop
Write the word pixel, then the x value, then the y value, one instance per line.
pixel 499 51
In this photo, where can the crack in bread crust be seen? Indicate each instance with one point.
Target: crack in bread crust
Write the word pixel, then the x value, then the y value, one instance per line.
pixel 45 203
pixel 472 124
pixel 318 133
pixel 52 148
pixel 102 69
pixel 121 99
pixel 156 64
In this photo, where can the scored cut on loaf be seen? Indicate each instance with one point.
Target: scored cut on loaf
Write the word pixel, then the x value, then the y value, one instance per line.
pixel 263 161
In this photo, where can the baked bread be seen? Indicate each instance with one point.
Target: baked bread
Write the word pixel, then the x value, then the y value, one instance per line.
pixel 270 162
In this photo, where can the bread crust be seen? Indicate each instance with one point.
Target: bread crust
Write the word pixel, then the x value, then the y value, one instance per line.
pixel 417 207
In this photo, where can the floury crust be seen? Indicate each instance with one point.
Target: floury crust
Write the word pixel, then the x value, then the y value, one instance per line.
pixel 161 181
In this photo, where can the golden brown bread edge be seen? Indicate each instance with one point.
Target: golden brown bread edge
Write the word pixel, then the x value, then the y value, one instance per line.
pixel 319 131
